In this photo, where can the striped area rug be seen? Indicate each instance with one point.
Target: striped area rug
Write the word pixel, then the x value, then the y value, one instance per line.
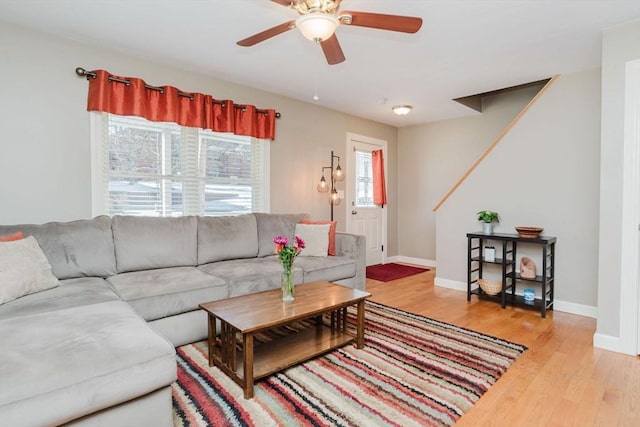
pixel 413 371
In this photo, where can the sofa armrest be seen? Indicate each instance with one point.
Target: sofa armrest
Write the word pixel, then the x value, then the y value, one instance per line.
pixel 353 246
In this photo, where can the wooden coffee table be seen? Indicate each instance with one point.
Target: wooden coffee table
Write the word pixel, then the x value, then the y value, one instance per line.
pixel 247 315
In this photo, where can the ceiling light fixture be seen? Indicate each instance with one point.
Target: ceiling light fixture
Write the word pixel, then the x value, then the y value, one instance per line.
pixel 317 26
pixel 402 110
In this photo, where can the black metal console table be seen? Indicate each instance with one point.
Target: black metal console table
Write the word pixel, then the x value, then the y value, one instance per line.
pixel 506 258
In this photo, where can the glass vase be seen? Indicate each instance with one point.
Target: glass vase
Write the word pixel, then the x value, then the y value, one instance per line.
pixel 286 287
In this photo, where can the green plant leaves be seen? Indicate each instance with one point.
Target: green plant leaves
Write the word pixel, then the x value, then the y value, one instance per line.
pixel 488 216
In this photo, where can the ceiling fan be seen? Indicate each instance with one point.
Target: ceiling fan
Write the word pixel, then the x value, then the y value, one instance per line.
pixel 319 20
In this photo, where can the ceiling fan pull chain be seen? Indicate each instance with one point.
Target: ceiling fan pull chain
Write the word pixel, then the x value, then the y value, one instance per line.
pixel 315 90
pixel 315 94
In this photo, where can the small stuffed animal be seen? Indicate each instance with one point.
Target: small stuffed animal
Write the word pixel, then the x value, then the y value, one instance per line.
pixel 527 268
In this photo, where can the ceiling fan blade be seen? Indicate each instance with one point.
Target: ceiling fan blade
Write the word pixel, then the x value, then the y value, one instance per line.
pixel 267 34
pixel 332 50
pixel 282 2
pixel 404 24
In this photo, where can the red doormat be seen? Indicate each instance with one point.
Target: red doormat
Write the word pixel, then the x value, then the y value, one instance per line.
pixel 392 271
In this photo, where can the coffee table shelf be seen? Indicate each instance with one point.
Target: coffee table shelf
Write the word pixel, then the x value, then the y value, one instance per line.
pixel 243 317
pixel 293 349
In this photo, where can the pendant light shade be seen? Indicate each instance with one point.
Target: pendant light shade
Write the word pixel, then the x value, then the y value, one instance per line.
pixel 338 174
pixel 334 197
pixel 323 186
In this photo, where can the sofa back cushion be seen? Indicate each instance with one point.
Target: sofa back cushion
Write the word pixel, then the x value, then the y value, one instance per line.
pixel 74 249
pixel 143 243
pixel 272 225
pixel 227 237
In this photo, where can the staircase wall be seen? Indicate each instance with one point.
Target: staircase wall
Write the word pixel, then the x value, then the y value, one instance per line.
pixel 545 172
pixel 433 156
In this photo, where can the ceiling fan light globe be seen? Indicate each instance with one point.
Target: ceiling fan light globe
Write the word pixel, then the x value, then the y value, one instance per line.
pixel 317 26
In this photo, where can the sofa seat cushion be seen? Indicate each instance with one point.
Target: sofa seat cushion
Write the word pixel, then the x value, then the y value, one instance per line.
pixel 61 365
pixel 70 293
pixel 163 292
pixel 247 276
pixel 326 268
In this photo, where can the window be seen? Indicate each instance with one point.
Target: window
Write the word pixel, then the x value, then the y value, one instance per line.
pixel 364 179
pixel 163 169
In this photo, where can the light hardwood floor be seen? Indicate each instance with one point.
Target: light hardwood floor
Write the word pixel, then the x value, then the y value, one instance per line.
pixel 561 380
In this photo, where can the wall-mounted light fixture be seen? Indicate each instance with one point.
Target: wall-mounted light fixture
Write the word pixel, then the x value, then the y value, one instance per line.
pixel 336 174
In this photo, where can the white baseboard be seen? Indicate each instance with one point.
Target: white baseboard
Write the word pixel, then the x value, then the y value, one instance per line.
pixel 558 305
pixel 606 342
pixel 611 343
pixel 450 284
pixel 415 261
pixel 573 308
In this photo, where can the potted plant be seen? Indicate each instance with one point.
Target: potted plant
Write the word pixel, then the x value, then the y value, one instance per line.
pixel 488 218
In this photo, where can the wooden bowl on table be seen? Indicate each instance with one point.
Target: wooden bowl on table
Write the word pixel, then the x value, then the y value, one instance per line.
pixel 529 232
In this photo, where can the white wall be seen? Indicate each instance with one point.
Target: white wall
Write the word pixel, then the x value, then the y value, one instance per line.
pixel 543 173
pixel 435 155
pixel 620 45
pixel 45 145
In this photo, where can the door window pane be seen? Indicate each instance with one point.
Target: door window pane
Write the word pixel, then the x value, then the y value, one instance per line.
pixel 364 180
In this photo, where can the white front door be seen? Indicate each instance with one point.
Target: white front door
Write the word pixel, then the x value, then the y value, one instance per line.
pixel 363 217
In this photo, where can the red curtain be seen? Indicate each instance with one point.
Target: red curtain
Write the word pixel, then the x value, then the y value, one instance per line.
pixel 128 96
pixel 379 188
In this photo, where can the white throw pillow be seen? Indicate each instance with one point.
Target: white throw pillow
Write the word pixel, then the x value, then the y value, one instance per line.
pixel 316 239
pixel 24 269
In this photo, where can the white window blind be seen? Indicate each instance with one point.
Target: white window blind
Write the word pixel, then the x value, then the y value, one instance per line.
pixel 163 169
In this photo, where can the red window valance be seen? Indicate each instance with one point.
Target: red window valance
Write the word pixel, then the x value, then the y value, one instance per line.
pixel 128 96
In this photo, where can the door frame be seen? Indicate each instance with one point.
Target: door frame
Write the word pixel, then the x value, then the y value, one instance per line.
pixel 382 144
pixel 630 250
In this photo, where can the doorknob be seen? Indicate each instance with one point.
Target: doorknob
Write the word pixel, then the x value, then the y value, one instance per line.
pixel 354 212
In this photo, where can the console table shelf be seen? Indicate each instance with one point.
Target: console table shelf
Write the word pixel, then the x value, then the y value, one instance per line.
pixel 510 277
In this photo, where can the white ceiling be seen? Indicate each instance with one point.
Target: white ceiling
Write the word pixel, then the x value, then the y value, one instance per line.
pixel 465 47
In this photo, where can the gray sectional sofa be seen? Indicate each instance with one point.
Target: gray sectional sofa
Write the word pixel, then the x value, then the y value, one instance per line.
pixel 99 348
